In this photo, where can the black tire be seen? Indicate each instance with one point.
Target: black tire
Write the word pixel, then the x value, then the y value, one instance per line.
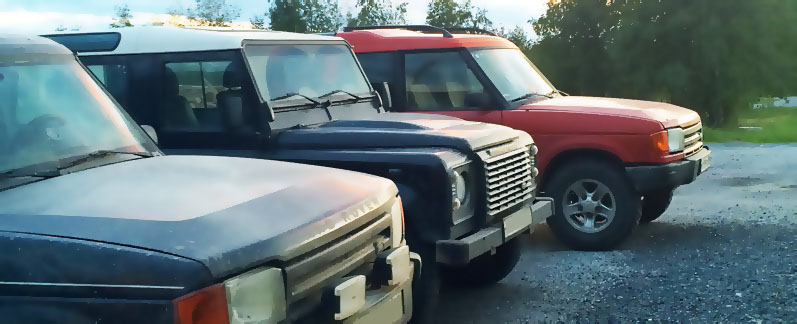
pixel 604 234
pixel 487 269
pixel 426 288
pixel 654 204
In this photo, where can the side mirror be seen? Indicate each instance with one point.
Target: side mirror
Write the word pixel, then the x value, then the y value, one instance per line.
pixel 150 132
pixel 383 89
pixel 478 100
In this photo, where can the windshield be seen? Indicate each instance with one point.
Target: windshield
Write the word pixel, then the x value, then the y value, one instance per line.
pixel 306 70
pixel 512 73
pixel 51 110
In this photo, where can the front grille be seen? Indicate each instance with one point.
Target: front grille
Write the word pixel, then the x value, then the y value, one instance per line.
pixel 693 139
pixel 353 254
pixel 509 180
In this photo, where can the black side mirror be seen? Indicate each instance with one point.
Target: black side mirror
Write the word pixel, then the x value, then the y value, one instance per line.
pixel 233 112
pixel 479 100
pixel 383 89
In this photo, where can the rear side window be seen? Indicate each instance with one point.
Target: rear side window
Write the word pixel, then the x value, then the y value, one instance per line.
pixel 191 90
pixel 439 81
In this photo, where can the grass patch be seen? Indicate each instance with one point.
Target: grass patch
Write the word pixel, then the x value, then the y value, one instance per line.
pixel 778 125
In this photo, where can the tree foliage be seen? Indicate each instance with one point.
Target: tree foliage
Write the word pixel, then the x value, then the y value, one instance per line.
pixel 216 13
pixel 305 16
pixel 714 56
pixel 451 13
pixel 122 18
pixel 378 13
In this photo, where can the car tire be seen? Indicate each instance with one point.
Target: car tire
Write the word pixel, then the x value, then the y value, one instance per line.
pixel 487 269
pixel 596 206
pixel 654 204
pixel 426 288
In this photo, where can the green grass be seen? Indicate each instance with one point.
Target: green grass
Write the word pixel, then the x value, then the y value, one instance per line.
pixel 778 125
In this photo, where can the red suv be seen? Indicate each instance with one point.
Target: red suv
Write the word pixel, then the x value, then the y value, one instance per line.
pixel 609 163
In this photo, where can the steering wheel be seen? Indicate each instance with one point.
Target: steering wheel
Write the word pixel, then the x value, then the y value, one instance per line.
pixel 44 130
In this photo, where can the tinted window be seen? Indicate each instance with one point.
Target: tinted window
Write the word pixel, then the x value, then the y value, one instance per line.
pixel 379 67
pixel 439 81
pixel 115 78
pixel 190 95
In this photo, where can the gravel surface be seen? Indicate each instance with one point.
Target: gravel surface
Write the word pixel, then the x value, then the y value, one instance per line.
pixel 724 251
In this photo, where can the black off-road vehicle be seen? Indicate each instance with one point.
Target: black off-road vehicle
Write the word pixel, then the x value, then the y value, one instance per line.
pixel 468 188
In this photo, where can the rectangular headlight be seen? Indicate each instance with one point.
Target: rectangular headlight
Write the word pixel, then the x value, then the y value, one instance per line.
pixel 257 296
pixel 675 139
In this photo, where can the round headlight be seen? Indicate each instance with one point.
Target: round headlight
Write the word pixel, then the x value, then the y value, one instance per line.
pixel 460 186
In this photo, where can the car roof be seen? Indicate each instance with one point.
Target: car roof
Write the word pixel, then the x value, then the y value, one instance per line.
pixel 167 39
pixel 395 39
pixel 11 44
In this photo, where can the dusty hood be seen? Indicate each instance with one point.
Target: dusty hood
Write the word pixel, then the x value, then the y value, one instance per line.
pixel 667 114
pixel 400 130
pixel 227 213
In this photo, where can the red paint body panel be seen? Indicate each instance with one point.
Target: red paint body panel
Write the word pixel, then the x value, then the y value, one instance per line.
pixel 620 127
pixel 388 40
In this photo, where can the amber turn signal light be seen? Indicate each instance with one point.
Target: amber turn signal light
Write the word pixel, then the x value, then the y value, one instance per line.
pixel 660 141
pixel 205 306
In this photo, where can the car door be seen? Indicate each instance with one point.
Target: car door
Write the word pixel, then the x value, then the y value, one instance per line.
pixel 446 82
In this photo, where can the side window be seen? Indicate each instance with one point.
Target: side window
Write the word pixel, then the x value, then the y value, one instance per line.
pixel 191 92
pixel 115 78
pixel 378 67
pixel 441 81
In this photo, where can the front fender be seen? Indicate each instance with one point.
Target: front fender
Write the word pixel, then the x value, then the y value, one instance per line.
pixel 421 175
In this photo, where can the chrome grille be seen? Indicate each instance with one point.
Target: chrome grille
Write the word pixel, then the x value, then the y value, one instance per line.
pixel 693 139
pixel 509 180
pixel 306 274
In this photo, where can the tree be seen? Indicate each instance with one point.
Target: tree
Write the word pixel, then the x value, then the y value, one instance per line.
pixel 122 18
pixel 305 16
pixel 713 56
pixel 378 13
pixel 450 13
pixel 518 36
pixel 258 22
pixel 215 13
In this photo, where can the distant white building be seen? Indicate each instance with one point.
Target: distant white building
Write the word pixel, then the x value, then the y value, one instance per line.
pixel 778 102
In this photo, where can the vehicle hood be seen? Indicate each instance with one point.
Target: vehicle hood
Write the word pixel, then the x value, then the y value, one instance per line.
pixel 667 114
pixel 228 213
pixel 402 130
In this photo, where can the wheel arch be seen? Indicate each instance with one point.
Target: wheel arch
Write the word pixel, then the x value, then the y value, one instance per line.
pixel 565 157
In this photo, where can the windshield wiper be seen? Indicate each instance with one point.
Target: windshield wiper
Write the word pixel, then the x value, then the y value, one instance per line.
pixel 295 94
pixel 531 94
pixel 341 91
pixel 555 91
pixel 20 173
pixel 99 154
pixel 56 169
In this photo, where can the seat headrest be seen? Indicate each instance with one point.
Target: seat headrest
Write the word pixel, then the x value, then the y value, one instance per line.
pixel 233 76
pixel 171 86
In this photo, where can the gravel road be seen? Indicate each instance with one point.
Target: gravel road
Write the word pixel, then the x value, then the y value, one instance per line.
pixel 726 250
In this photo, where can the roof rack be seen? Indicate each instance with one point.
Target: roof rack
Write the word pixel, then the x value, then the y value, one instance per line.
pixel 468 30
pixel 419 28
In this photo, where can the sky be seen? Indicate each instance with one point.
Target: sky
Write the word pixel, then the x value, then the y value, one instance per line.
pixel 43 16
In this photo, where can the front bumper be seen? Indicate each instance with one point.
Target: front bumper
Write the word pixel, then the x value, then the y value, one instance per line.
pixel 462 251
pixel 671 175
pixel 387 298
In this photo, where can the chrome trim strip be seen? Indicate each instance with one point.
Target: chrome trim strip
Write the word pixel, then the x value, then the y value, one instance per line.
pixel 15 283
